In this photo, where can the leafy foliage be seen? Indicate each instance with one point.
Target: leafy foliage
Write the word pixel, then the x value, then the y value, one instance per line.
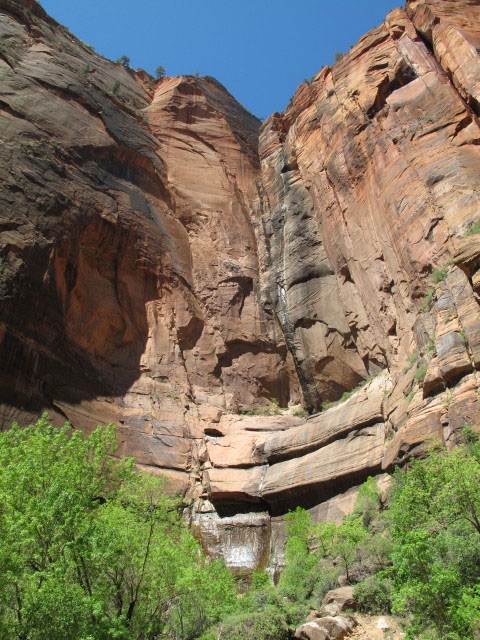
pixel 268 624
pixel 419 558
pixel 298 579
pixel 435 515
pixel 91 549
pixel 160 71
pixel 374 594
pixel 348 536
pixel 368 501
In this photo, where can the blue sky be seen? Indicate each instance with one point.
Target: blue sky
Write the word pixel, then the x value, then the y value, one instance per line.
pixel 261 50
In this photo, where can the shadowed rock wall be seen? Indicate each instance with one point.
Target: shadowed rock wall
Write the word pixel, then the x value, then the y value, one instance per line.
pixel 129 269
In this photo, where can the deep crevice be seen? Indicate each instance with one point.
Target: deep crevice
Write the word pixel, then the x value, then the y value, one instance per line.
pixel 404 74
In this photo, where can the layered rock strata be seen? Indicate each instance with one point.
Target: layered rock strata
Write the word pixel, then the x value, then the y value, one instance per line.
pixel 369 183
pixel 166 266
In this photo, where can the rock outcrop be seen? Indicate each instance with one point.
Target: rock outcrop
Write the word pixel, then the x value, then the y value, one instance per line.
pixel 166 263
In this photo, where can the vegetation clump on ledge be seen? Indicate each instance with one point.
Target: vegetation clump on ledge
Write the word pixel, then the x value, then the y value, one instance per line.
pixel 473 229
pixel 274 409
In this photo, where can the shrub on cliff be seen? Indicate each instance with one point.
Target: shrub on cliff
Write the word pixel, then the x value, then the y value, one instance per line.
pixel 125 60
pixel 91 549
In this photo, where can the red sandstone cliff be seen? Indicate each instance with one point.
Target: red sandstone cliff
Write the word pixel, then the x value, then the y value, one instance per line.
pixel 129 266
pixel 163 269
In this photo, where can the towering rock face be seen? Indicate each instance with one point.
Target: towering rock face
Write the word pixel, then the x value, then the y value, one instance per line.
pixel 369 182
pixel 129 266
pixel 362 178
pixel 164 269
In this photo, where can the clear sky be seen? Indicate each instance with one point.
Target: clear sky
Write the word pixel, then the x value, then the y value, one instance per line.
pixel 261 50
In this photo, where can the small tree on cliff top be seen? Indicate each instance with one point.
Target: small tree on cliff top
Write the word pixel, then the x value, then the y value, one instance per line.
pixel 125 60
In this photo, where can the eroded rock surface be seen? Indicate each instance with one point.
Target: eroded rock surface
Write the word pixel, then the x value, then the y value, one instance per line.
pixel 166 264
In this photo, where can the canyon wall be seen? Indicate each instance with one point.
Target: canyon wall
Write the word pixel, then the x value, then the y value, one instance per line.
pixel 167 264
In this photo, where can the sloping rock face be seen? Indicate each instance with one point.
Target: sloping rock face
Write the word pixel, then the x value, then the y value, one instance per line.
pixel 165 267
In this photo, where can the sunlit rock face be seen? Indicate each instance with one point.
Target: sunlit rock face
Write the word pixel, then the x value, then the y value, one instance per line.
pixel 368 175
pixel 166 263
pixel 369 181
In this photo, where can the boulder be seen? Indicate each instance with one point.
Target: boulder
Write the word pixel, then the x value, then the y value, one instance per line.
pixel 327 628
pixel 337 600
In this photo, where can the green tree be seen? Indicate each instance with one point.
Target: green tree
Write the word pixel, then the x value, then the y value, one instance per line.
pixel 435 515
pixel 125 60
pixel 298 578
pixel 92 550
pixel 347 538
pixel 324 535
pixel 160 71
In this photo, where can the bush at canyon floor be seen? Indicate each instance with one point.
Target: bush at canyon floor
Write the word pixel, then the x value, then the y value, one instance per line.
pixel 419 557
pixel 93 550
